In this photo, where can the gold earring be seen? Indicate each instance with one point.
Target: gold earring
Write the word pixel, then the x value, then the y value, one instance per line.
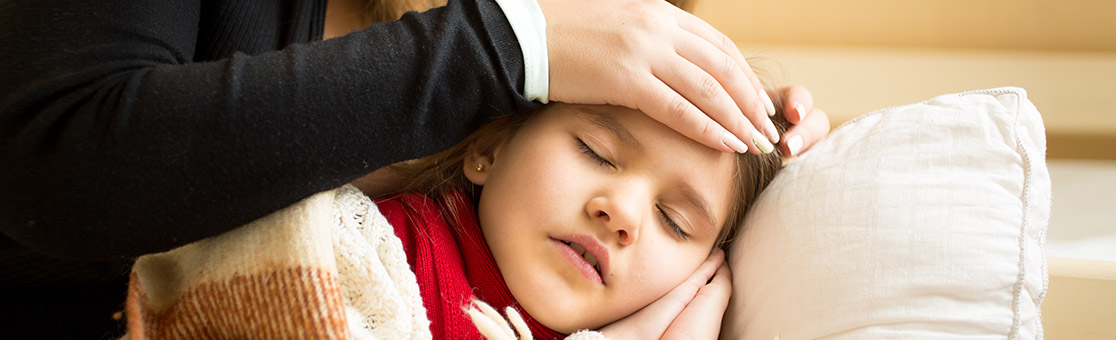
pixel 480 167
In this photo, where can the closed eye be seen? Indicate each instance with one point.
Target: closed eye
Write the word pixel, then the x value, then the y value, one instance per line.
pixel 585 149
pixel 673 226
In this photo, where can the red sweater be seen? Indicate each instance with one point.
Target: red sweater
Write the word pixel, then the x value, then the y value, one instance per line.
pixel 452 264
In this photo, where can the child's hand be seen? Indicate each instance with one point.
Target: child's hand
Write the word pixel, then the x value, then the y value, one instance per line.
pixel 651 56
pixel 702 317
pixel 692 310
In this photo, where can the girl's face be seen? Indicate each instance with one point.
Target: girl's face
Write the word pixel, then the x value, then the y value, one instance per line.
pixel 593 212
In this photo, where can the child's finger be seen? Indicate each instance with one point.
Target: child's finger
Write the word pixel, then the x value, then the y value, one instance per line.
pixel 807 132
pixel 702 317
pixel 719 288
pixel 676 300
pixel 652 321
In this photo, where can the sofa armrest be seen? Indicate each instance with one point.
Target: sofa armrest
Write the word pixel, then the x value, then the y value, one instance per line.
pixel 1081 299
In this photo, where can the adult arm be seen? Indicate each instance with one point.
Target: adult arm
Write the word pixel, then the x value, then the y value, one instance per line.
pixel 116 144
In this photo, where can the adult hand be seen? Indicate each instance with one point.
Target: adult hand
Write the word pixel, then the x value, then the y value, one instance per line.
pixel 809 124
pixel 651 56
pixel 692 310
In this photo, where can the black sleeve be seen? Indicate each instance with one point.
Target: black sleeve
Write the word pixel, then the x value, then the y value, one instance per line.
pixel 115 144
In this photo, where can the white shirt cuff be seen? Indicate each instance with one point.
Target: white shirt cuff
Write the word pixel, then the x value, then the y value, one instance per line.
pixel 527 21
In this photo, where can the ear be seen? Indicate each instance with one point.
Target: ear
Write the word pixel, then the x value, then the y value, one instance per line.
pixel 477 166
pixel 481 155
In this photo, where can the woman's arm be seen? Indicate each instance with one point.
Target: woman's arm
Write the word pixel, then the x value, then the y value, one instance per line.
pixel 115 143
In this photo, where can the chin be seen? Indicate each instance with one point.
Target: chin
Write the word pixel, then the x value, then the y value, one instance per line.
pixel 552 313
pixel 567 325
pixel 557 310
pixel 559 303
pixel 565 318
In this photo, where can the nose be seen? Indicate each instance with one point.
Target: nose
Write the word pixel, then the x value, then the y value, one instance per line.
pixel 618 214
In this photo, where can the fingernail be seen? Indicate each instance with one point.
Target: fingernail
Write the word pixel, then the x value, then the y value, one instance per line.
pixel 794 144
pixel 798 109
pixel 772 131
pixel 734 143
pixel 767 104
pixel 762 143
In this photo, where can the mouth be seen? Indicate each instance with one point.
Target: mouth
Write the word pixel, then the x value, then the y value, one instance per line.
pixel 586 254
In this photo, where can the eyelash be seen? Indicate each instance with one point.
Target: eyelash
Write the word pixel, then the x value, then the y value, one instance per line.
pixel 673 226
pixel 585 149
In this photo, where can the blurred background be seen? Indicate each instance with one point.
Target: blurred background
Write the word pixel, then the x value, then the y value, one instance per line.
pixel 858 56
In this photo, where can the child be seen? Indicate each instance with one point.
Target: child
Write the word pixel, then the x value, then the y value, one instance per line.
pixel 576 216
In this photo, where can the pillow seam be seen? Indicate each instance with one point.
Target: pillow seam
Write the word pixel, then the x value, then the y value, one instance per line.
pixel 1025 225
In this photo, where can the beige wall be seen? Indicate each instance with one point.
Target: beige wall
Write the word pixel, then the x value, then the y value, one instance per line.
pixel 857 56
pixel 1085 25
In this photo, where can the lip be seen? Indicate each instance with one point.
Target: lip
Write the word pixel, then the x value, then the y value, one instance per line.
pixel 591 246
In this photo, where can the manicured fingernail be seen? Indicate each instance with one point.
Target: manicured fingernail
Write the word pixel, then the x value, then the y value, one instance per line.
pixel 794 144
pixel 799 110
pixel 734 143
pixel 772 131
pixel 767 103
pixel 762 143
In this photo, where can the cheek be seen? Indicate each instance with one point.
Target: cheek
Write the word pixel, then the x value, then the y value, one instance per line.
pixel 540 186
pixel 527 197
pixel 659 270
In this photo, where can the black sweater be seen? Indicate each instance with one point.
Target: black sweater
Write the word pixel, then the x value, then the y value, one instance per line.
pixel 132 127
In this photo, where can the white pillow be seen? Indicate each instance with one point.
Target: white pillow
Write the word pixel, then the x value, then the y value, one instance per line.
pixel 924 221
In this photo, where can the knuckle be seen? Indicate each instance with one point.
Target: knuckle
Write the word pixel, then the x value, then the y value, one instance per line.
pixel 758 108
pixel 710 88
pixel 799 93
pixel 728 66
pixel 645 19
pixel 694 285
pixel 709 128
pixel 630 41
pixel 823 117
pixel 752 102
pixel 678 108
pixel 743 125
pixel 626 73
pixel 726 43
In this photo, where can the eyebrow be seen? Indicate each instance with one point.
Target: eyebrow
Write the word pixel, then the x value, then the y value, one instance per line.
pixel 693 198
pixel 614 127
pixel 610 124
